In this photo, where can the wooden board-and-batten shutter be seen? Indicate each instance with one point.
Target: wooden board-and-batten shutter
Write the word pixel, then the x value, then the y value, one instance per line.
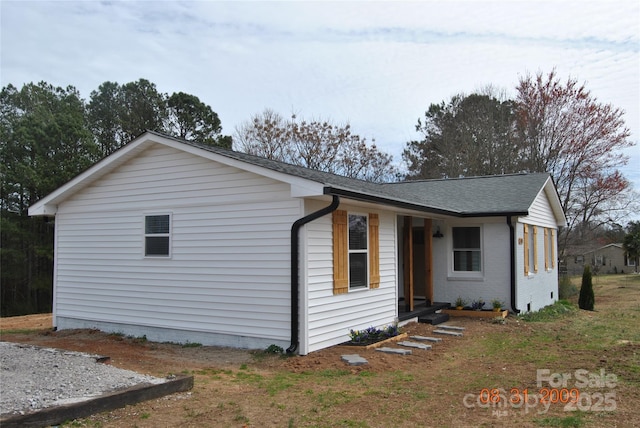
pixel 553 248
pixel 547 255
pixel 374 251
pixel 535 249
pixel 340 252
pixel 526 249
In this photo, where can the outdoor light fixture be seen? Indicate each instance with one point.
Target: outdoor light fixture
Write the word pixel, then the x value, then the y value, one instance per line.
pixel 438 234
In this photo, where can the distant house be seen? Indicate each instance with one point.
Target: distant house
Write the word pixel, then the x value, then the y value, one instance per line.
pixel 611 258
pixel 183 242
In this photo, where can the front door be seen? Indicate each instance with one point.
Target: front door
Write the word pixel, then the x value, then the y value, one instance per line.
pixel 417 251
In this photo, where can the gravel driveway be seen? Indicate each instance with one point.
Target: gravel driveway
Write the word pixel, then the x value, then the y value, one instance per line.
pixel 33 378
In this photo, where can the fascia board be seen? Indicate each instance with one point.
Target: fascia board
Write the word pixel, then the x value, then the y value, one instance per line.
pixel 48 205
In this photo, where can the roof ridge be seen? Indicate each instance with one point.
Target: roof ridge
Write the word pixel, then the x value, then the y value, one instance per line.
pixel 471 177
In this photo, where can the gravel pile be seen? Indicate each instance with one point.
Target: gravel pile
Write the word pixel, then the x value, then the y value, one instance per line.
pixel 33 378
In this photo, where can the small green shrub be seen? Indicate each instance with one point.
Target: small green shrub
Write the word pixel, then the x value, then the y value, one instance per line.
pixel 549 313
pixel 586 300
pixel 566 289
pixel 274 349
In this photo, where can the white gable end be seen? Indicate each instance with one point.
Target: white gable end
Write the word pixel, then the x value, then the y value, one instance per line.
pixel 228 272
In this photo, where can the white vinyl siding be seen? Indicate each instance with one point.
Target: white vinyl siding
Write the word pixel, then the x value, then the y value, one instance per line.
pixel 330 316
pixel 230 247
pixel 540 212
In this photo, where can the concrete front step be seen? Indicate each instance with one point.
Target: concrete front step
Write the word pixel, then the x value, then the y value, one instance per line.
pixel 434 319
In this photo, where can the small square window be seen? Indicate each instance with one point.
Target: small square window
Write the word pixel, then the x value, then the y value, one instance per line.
pixel 157 235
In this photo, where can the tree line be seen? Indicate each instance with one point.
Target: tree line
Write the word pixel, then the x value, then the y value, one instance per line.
pixel 50 134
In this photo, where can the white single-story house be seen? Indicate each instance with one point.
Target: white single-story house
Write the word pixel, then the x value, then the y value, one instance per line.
pixel 184 242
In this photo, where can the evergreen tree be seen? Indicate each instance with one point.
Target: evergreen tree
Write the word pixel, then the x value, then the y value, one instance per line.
pixel 587 299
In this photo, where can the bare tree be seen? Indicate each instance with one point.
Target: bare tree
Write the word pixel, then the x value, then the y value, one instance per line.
pixel 315 144
pixel 566 131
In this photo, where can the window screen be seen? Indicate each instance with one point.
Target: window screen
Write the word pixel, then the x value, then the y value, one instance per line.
pixel 467 253
pixel 358 251
pixel 157 235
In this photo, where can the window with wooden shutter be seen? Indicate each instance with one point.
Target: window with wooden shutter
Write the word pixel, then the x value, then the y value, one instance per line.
pixel 356 251
pixel 340 252
pixel 374 251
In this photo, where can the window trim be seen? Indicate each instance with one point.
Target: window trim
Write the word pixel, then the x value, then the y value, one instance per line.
pixel 146 235
pixel 475 274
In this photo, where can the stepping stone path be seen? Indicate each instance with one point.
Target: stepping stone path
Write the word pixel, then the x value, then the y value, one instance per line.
pixel 354 360
pixel 426 339
pixel 398 351
pixel 451 327
pixel 448 330
pixel 409 344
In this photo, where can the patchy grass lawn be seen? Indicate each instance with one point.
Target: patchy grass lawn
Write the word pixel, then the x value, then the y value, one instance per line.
pixel 477 380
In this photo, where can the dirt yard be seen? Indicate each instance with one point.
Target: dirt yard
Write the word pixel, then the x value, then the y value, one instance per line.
pixel 441 387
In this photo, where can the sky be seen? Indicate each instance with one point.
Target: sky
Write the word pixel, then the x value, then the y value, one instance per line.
pixel 377 65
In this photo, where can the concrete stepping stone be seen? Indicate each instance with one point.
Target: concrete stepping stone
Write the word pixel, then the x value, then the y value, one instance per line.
pixel 398 351
pixel 450 327
pixel 354 360
pixel 448 333
pixel 409 344
pixel 426 339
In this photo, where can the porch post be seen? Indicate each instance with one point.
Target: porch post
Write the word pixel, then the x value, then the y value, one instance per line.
pixel 408 263
pixel 428 259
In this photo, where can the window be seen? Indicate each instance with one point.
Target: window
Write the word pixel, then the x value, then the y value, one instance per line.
pixel 467 252
pixel 628 260
pixel 358 254
pixel 157 235
pixel 356 251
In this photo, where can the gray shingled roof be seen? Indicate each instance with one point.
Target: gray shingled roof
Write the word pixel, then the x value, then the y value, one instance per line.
pixel 472 196
pixel 512 193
